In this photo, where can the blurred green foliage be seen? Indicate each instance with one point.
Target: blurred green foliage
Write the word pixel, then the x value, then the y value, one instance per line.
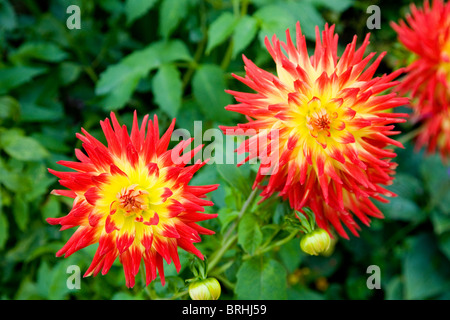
pixel 174 58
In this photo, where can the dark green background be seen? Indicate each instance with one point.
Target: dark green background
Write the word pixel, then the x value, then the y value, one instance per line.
pixel 174 58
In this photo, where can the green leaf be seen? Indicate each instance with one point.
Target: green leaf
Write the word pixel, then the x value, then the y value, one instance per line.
pixel 261 279
pixel 9 108
pixel 444 244
pixel 43 279
pixel 249 234
pixel 394 289
pixel 208 85
pixel 244 33
pixel 44 51
pixel 308 16
pixel 437 182
pixel 441 222
pixel 424 269
pixel 167 89
pixel 220 30
pixel 21 212
pixel 173 50
pixel 406 186
pixel 335 5
pixel 135 9
pixel 274 19
pixel 7 16
pixel 236 177
pixel 226 216
pixel 13 77
pixel 171 12
pixel 25 149
pixel 302 292
pixel 119 81
pixel 401 209
pixel 4 227
pixel 135 65
pixel 290 254
pixel 68 72
pixel 46 112
pixel 52 281
pixel 51 209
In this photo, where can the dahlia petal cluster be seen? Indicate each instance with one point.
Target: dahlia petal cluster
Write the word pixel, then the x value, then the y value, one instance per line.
pixel 332 124
pixel 426 33
pixel 132 198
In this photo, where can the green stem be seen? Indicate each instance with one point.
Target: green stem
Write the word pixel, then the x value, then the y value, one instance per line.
pixel 177 295
pixel 216 258
pixel 409 136
pixel 228 240
pixel 401 234
pixel 227 57
pixel 229 52
pixel 226 282
pixel 269 248
pixel 200 48
pixel 144 282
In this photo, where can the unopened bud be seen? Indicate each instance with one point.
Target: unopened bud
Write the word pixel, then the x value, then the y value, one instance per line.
pixel 316 242
pixel 207 289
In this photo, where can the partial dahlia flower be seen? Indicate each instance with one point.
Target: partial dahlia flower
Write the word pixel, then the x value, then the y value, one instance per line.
pixel 330 119
pixel 427 35
pixel 133 199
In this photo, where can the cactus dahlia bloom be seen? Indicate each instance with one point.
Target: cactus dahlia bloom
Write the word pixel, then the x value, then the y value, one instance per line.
pixel 427 35
pixel 332 126
pixel 133 199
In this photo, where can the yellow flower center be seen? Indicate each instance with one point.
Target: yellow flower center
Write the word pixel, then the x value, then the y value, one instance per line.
pixel 317 118
pixel 131 200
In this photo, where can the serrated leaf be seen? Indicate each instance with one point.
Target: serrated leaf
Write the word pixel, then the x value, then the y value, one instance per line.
pixel 402 209
pixel 249 234
pixel 21 212
pixel 308 16
pixel 167 89
pixel 9 108
pixel 44 277
pixel 335 5
pixel 437 182
pixel 244 32
pixel 261 279
pixel 8 16
pixel 135 65
pixel 274 19
pixel 135 9
pixel 25 149
pixel 424 269
pixel 209 90
pixel 44 51
pixel 220 30
pixel 171 12
pixel 51 209
pixel 236 177
pixel 444 244
pixel 4 227
pixel 441 222
pixel 290 254
pixel 118 82
pixel 13 77
pixel 68 72
pixel 226 216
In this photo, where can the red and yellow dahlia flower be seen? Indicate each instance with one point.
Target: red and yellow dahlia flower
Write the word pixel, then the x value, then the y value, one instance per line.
pixel 133 199
pixel 332 127
pixel 426 33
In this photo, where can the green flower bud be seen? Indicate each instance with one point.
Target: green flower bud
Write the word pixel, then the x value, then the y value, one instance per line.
pixel 207 289
pixel 316 242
